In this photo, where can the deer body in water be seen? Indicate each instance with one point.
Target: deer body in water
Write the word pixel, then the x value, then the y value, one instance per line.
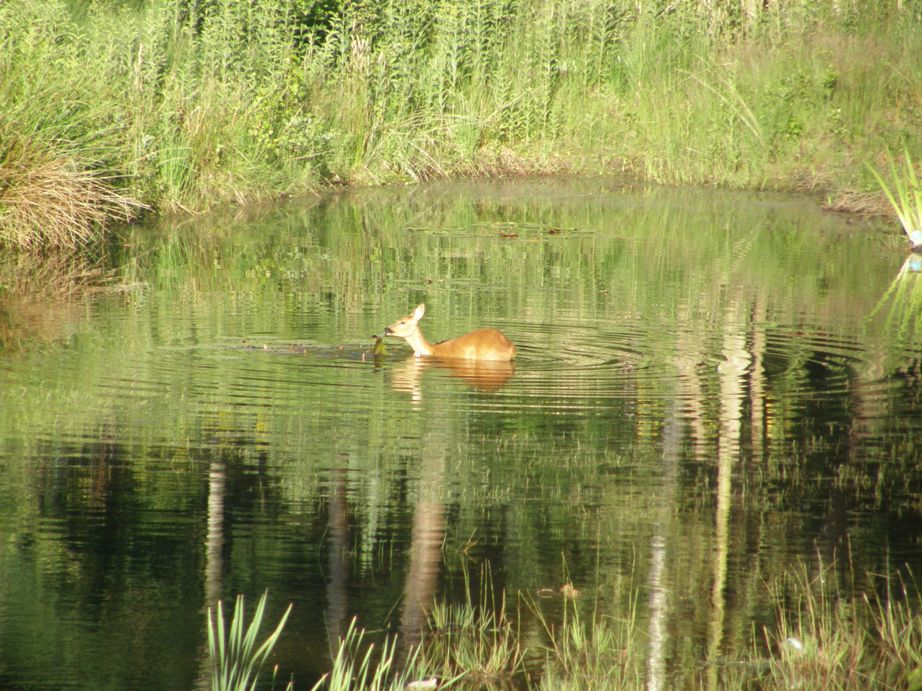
pixel 482 344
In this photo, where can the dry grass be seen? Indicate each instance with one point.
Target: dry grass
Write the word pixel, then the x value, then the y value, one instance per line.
pixel 50 201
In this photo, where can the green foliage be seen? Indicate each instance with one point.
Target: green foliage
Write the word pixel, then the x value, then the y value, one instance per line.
pixel 828 638
pixel 476 640
pixel 905 196
pixel 235 659
pixel 595 652
pixel 822 640
pixel 192 104
pixel 357 666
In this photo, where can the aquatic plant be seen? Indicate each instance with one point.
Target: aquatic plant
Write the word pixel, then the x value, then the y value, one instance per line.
pixel 235 659
pixel 476 640
pixel 357 666
pixel 598 652
pixel 825 637
pixel 905 195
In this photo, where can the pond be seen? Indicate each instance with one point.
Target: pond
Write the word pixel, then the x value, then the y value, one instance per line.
pixel 711 388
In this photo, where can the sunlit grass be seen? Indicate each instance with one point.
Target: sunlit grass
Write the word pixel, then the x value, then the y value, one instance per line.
pixel 232 103
pixel 824 638
pixel 478 641
pixel 831 639
pixel 358 666
pixel 590 652
pixel 49 200
pixel 904 192
pixel 236 659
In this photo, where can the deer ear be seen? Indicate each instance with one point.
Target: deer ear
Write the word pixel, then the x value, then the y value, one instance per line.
pixel 419 312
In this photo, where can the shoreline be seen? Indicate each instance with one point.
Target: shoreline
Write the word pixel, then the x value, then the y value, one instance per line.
pixel 108 113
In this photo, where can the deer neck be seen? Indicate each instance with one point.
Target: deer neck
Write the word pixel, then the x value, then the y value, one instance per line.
pixel 421 347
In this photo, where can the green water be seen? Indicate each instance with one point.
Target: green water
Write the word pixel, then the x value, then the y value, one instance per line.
pixel 710 389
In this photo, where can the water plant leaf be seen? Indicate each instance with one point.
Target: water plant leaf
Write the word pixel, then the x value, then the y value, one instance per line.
pixel 905 195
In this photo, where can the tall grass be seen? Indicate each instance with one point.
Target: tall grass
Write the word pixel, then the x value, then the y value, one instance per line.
pixel 358 666
pixel 905 196
pixel 235 658
pixel 478 640
pixel 189 105
pixel 591 652
pixel 48 199
pixel 825 637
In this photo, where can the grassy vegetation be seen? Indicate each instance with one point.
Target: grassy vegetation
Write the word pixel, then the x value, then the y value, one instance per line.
pixel 360 667
pixel 905 196
pixel 829 637
pixel 235 658
pixel 826 636
pixel 107 107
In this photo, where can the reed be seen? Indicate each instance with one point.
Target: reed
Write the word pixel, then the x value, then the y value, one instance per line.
pixel 476 641
pixel 904 194
pixel 235 658
pixel 826 637
pixel 595 652
pixel 358 666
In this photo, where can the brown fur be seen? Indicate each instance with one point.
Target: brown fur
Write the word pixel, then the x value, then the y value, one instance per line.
pixel 482 344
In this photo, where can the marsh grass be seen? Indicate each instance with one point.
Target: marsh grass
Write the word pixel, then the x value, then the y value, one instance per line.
pixel 904 192
pixel 359 666
pixel 826 637
pixel 193 106
pixel 590 652
pixel 48 200
pixel 235 658
pixel 478 641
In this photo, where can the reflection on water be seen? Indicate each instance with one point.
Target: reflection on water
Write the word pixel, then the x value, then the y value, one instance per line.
pixel 486 376
pixel 708 388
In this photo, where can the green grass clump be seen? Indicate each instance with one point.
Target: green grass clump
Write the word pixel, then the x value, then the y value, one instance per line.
pixel 905 196
pixel 235 659
pixel 827 639
pixel 823 638
pixel 596 652
pixel 358 666
pixel 477 641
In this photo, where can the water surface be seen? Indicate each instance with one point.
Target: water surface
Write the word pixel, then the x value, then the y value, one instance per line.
pixel 711 388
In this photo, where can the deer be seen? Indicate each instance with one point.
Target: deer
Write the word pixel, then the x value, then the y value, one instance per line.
pixel 479 345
